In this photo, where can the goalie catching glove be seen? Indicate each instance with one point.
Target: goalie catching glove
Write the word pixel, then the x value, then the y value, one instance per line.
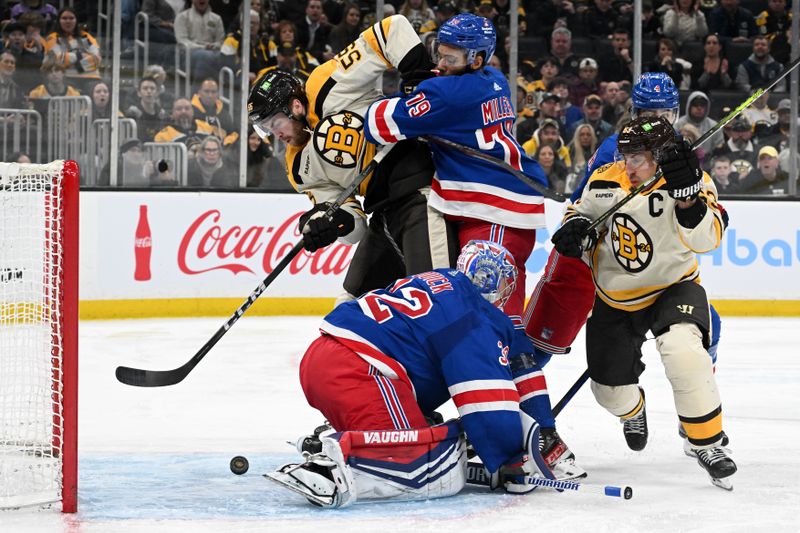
pixel 681 171
pixel 574 237
pixel 319 230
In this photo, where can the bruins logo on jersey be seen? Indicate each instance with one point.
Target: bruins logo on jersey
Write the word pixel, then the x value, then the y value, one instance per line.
pixel 633 247
pixel 337 138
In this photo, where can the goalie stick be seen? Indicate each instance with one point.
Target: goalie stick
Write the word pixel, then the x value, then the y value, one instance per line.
pixel 477 475
pixel 524 178
pixel 138 377
pixel 703 138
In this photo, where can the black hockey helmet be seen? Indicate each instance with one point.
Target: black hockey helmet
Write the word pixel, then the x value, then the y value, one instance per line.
pixel 273 93
pixel 645 134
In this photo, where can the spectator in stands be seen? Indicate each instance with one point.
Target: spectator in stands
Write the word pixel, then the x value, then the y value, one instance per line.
pixel 159 75
pixel 207 169
pixel 548 133
pixel 739 144
pixel 568 114
pixel 19 157
pixel 133 169
pixel 684 22
pixel 312 34
pixel 287 61
pixel 184 128
pixel 696 113
pixel 347 30
pixel 164 175
pixel 775 20
pixel 547 69
pixel 760 68
pixel 666 62
pixel 287 33
pixel 651 22
pixel 778 136
pixel 444 10
pixel 34 26
pixel 549 109
pixel 101 100
pixel 48 13
pixel 732 22
pixel 601 19
pixel 258 156
pixel 419 13
pixel 211 110
pixel 587 81
pixel 161 18
pixel 27 61
pixel 73 48
pixel 768 177
pixel 692 134
pixel 11 96
pixel 726 180
pixel 545 15
pixel 619 65
pixel 54 85
pixel 593 116
pixel 147 112
pixel 759 111
pixel 582 147
pixel 712 73
pixel 502 17
pixel 613 101
pixel 259 48
pixel 202 31
pixel 561 49
pixel 553 168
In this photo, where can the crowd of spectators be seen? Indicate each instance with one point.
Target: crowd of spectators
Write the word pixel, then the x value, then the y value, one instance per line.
pixel 575 72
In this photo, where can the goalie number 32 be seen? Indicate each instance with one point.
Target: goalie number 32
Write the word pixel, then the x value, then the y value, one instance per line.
pixel 381 307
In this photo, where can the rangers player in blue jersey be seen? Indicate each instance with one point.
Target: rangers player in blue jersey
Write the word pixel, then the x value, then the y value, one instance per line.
pixel 385 362
pixel 563 298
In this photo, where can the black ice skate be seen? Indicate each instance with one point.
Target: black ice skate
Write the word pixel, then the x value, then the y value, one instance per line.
pixel 687 446
pixel 635 428
pixel 310 443
pixel 719 466
pixel 558 456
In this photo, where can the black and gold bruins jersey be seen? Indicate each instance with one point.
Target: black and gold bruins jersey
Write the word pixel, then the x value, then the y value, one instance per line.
pixel 339 92
pixel 642 248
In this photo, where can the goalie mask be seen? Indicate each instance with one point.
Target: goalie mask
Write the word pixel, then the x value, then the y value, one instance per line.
pixel 491 268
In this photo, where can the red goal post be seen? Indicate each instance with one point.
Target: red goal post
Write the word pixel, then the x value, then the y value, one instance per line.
pixel 39 334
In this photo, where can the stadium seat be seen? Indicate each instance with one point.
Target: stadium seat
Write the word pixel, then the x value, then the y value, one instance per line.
pixel 737 52
pixel 583 46
pixel 693 52
pixel 532 47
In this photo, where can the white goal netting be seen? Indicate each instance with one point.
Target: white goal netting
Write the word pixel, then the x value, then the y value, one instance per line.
pixel 31 334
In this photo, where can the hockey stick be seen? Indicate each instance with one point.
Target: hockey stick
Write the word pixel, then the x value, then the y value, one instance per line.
pixel 703 138
pixel 477 475
pixel 524 178
pixel 161 378
pixel 571 392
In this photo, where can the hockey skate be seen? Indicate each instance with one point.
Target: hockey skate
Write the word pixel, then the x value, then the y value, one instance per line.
pixel 311 444
pixel 558 456
pixel 635 428
pixel 312 480
pixel 687 446
pixel 719 466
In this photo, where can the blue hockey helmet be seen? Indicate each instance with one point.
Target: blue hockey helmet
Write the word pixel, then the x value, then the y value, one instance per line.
pixel 491 268
pixel 472 33
pixel 656 91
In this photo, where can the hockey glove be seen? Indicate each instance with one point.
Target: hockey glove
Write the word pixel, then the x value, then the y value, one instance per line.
pixel 410 81
pixel 319 231
pixel 574 237
pixel 681 171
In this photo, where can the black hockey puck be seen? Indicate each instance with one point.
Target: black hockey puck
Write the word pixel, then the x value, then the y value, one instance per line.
pixel 628 493
pixel 239 465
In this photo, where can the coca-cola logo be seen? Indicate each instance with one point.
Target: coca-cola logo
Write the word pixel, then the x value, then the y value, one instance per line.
pixel 208 244
pixel 144 242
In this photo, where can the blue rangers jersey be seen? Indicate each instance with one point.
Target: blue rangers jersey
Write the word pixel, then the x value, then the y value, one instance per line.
pixel 473 110
pixel 435 332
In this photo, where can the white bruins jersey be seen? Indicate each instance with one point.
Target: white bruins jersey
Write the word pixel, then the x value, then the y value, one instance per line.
pixel 642 249
pixel 339 92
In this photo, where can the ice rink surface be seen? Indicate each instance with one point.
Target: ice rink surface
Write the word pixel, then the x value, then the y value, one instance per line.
pixel 157 459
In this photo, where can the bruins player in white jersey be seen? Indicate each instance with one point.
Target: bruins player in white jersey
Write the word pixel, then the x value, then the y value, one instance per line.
pixel 322 125
pixel 646 278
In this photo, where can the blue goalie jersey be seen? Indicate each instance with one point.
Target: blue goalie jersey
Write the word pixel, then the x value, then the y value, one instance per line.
pixel 473 110
pixel 435 332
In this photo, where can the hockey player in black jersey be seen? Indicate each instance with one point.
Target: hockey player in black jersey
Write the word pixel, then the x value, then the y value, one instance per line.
pixel 646 276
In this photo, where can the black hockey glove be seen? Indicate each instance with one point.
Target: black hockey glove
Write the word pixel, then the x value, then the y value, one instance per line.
pixel 319 231
pixel 410 81
pixel 571 238
pixel 681 170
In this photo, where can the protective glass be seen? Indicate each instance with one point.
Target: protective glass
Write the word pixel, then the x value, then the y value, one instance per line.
pixel 267 126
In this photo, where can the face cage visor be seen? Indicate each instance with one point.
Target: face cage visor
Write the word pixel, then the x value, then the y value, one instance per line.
pixel 670 114
pixel 461 58
pixel 265 127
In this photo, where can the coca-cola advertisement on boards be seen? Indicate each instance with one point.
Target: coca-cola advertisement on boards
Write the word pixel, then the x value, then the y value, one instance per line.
pixel 142 247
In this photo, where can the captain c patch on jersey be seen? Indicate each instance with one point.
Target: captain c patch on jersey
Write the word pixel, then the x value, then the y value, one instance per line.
pixel 338 138
pixel 633 247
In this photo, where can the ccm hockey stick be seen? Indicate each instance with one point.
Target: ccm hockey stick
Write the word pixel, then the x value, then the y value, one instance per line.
pixel 703 138
pixel 160 378
pixel 524 178
pixel 477 475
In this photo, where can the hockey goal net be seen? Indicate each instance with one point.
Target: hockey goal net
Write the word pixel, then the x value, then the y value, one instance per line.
pixel 38 334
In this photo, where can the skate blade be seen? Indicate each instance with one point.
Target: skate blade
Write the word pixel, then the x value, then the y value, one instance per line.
pixel 295 486
pixel 723 483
